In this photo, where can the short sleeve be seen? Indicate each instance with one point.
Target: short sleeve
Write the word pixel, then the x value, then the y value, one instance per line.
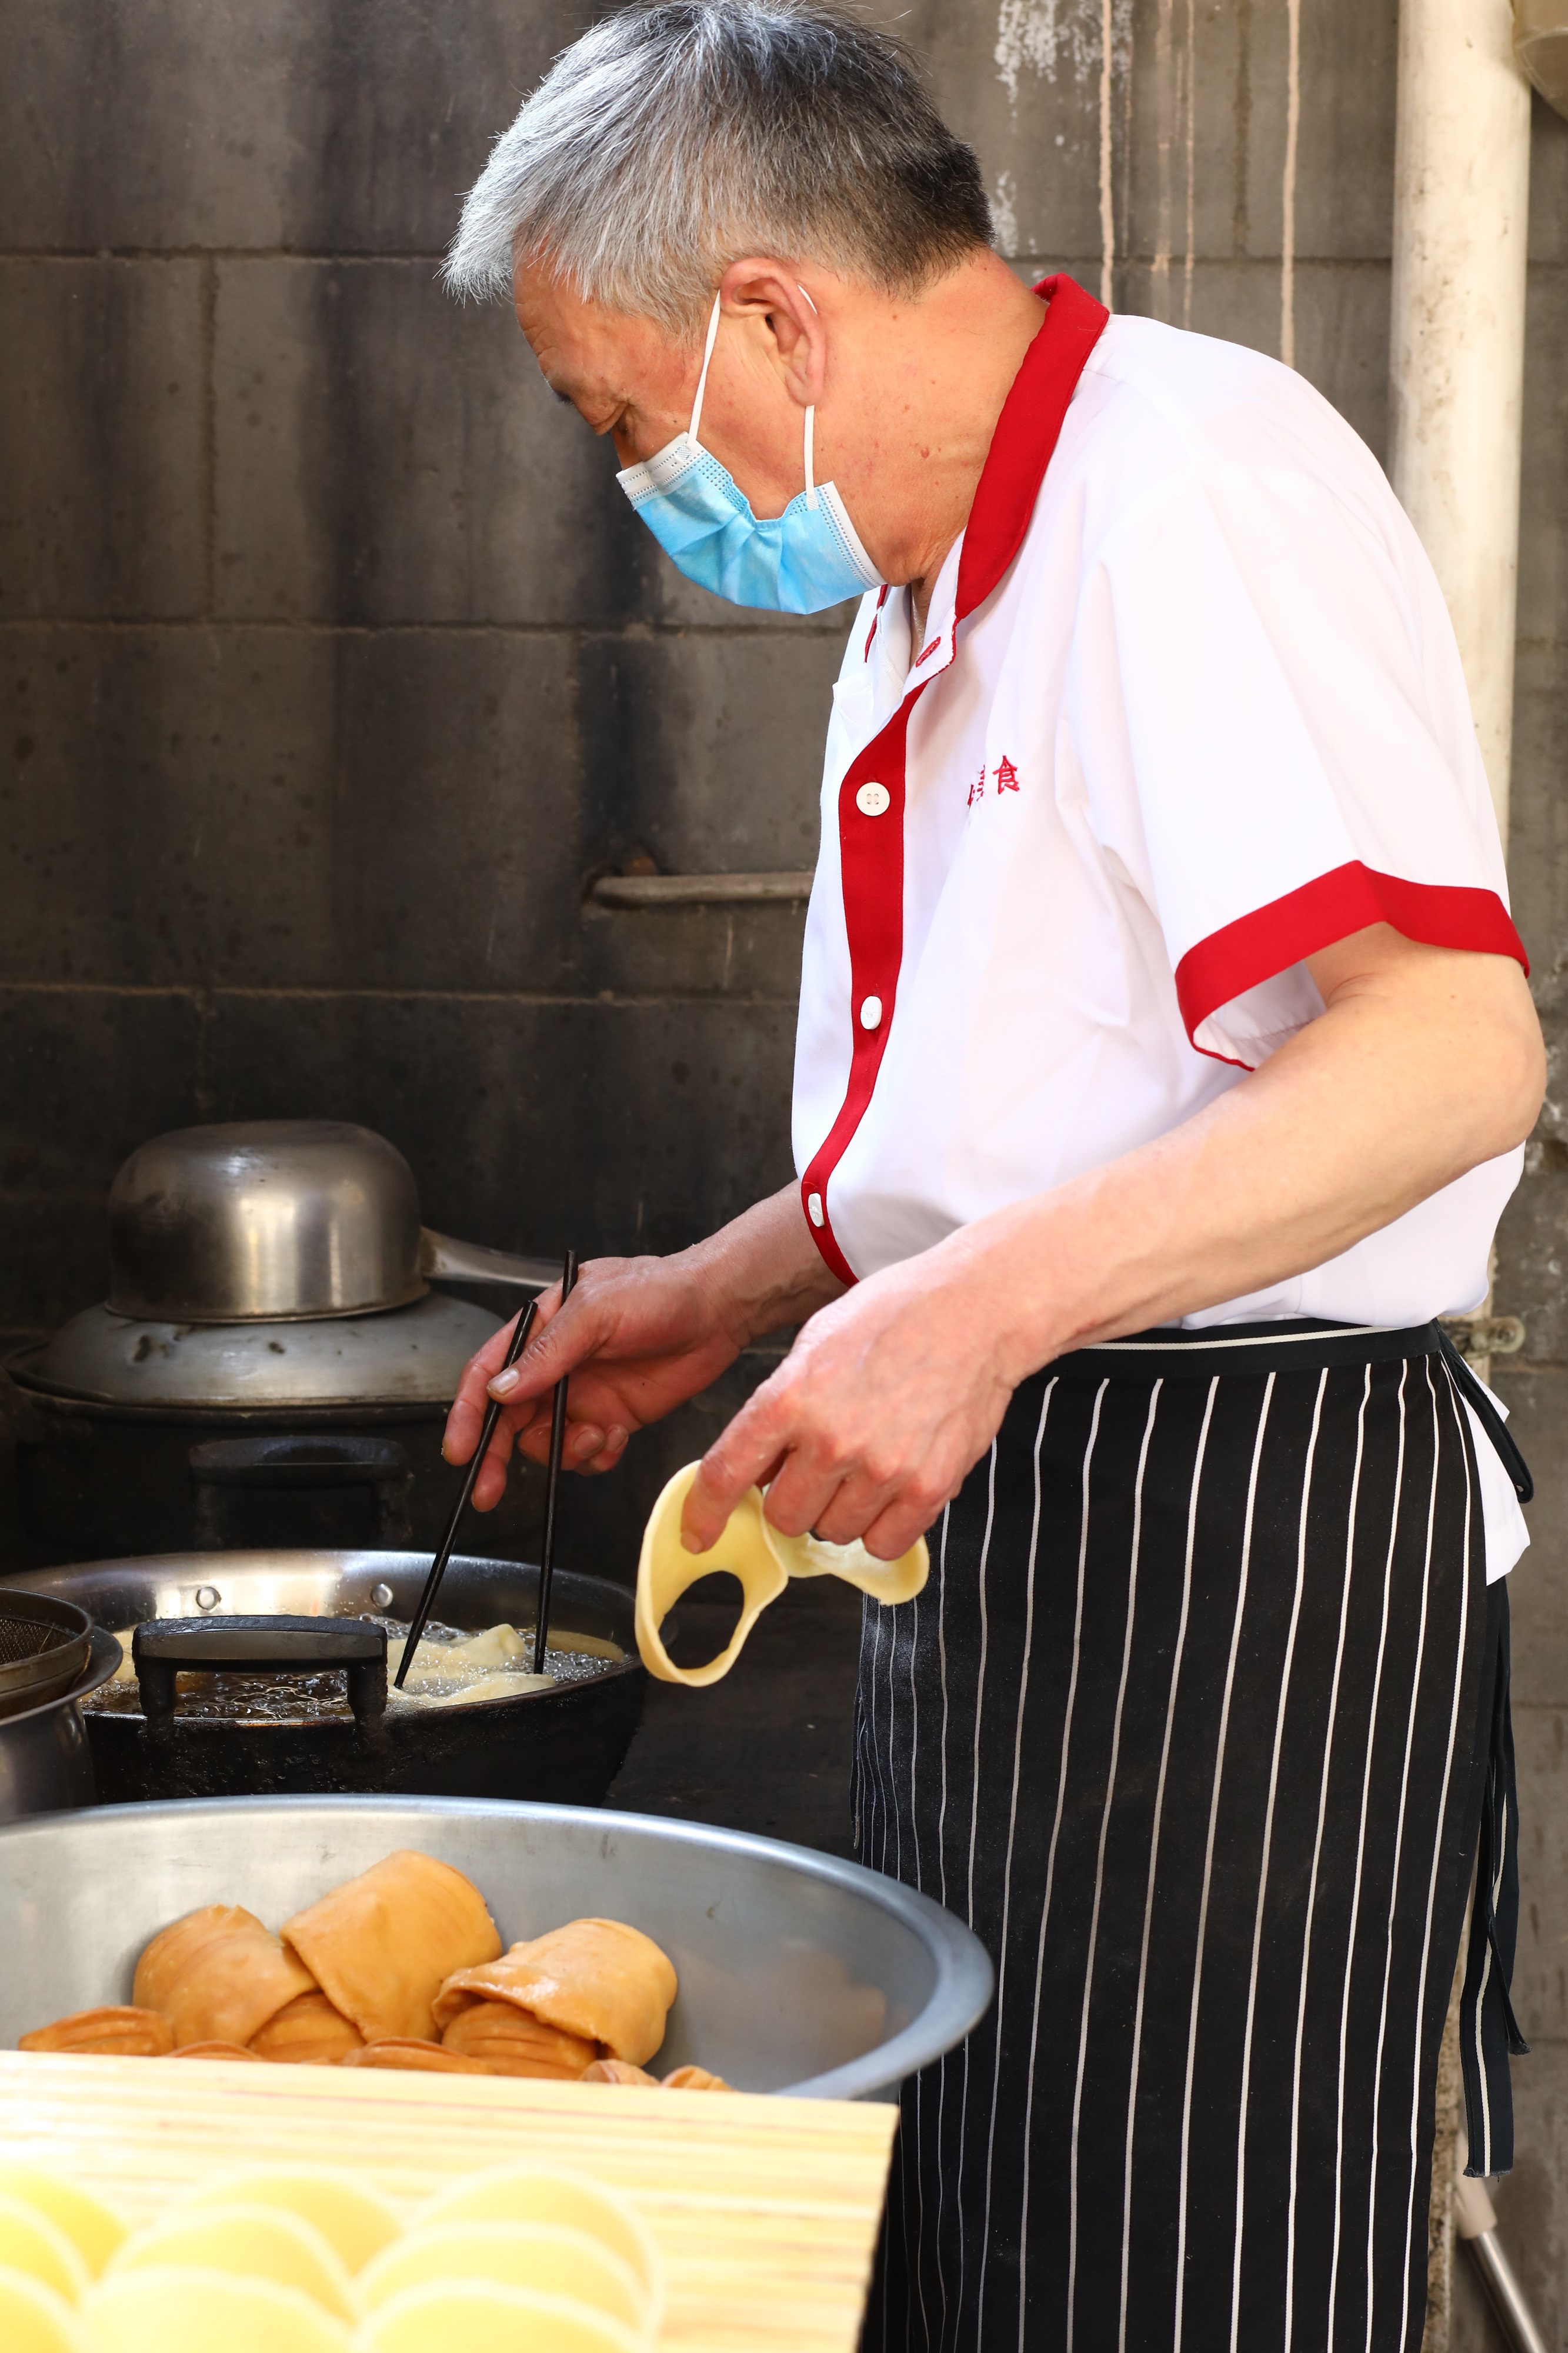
pixel 1270 718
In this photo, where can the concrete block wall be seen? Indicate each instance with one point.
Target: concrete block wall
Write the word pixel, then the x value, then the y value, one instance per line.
pixel 335 666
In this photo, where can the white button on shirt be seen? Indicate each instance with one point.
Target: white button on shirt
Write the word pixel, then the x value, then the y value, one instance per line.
pixel 1211 719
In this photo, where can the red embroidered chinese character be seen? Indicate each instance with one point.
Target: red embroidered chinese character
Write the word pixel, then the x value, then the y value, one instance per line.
pixel 977 789
pixel 1007 776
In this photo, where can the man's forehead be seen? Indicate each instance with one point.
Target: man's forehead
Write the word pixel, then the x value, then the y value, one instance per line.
pixel 580 344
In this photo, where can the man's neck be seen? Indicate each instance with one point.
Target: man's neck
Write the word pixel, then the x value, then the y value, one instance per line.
pixel 935 372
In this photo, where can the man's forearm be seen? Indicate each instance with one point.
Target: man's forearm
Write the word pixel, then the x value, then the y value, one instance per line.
pixel 1393 1092
pixel 763 1270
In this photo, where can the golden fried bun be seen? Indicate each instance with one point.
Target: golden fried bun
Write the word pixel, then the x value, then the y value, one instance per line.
pixel 509 2041
pixel 118 2029
pixel 174 2311
pixel 402 2052
pixel 531 2194
pixel 33 2319
pixel 483 2317
pixel 307 2032
pixel 384 1944
pixel 548 2256
pixel 94 2228
pixel 31 2243
pixel 595 1978
pixel 265 2243
pixel 217 1975
pixel 353 2219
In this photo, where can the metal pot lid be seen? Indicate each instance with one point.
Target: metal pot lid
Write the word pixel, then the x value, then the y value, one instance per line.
pixel 408 1355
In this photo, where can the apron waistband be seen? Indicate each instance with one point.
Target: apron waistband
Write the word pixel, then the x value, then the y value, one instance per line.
pixel 1300 1344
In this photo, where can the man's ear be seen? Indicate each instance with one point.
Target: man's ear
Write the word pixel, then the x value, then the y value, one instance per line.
pixel 768 293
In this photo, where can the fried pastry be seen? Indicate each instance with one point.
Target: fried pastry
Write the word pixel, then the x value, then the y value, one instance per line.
pixel 617 2070
pixel 383 1945
pixel 217 1975
pixel 416 2057
pixel 511 2042
pixel 214 2051
pixel 120 2028
pixel 308 2031
pixel 597 1979
pixel 695 2079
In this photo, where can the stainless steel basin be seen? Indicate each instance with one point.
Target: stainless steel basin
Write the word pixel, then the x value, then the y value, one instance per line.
pixel 799 1974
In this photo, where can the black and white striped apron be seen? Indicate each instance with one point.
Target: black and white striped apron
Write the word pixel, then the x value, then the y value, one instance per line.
pixel 1184 1724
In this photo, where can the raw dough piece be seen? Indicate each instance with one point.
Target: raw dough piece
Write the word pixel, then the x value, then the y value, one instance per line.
pixel 382 1944
pixel 264 2243
pixel 93 2229
pixel 428 2058
pixel 117 2030
pixel 218 1975
pixel 482 2316
pixel 31 2243
pixel 33 2319
pixel 206 2312
pixel 761 1558
pixel 308 2031
pixel 350 2216
pixel 549 2256
pixel 695 2079
pixel 500 1685
pixel 617 2070
pixel 214 2051
pixel 511 2041
pixel 595 1978
pixel 527 2193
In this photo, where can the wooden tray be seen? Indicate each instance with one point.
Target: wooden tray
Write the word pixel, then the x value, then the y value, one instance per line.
pixel 766 2209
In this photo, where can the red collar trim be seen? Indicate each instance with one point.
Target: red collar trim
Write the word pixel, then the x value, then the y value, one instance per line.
pixel 1024 437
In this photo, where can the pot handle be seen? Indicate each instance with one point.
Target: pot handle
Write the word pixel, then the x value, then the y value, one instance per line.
pixel 165 1647
pixel 442 1259
pixel 301 1462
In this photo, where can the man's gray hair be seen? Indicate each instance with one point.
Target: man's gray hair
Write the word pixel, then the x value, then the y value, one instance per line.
pixel 674 138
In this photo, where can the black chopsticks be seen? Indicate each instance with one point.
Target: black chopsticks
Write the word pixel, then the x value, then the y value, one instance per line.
pixel 520 1339
pixel 551 1486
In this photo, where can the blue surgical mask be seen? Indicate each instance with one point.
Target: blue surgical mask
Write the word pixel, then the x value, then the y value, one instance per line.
pixel 806 558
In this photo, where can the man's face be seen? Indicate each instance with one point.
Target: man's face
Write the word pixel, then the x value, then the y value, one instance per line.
pixel 629 382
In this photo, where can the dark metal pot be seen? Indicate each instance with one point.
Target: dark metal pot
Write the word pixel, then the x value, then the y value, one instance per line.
pixel 45 1763
pixel 565 1746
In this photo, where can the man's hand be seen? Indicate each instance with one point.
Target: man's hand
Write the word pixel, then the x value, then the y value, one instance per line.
pixel 638 1336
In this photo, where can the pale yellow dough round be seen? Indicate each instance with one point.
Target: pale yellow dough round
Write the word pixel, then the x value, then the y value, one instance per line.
pixel 32 2243
pixel 33 2319
pixel 159 2311
pixel 353 2219
pixel 265 2243
pixel 94 2228
pixel 762 1560
pixel 480 2316
pixel 547 2256
pixel 527 2193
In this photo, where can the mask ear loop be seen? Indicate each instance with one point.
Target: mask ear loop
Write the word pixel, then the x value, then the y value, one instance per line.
pixel 810 427
pixel 707 357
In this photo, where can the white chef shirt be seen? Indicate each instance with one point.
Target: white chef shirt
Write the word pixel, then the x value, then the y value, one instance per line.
pixel 1208 719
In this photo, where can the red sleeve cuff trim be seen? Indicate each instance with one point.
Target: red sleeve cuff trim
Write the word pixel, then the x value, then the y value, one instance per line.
pixel 1271 939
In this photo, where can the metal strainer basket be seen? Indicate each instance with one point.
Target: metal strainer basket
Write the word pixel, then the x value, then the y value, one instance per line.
pixel 44 1648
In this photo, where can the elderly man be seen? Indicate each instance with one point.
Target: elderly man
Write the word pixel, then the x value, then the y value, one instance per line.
pixel 1163 1057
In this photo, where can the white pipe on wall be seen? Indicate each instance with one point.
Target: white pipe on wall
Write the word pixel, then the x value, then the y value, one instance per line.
pixel 1461 182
